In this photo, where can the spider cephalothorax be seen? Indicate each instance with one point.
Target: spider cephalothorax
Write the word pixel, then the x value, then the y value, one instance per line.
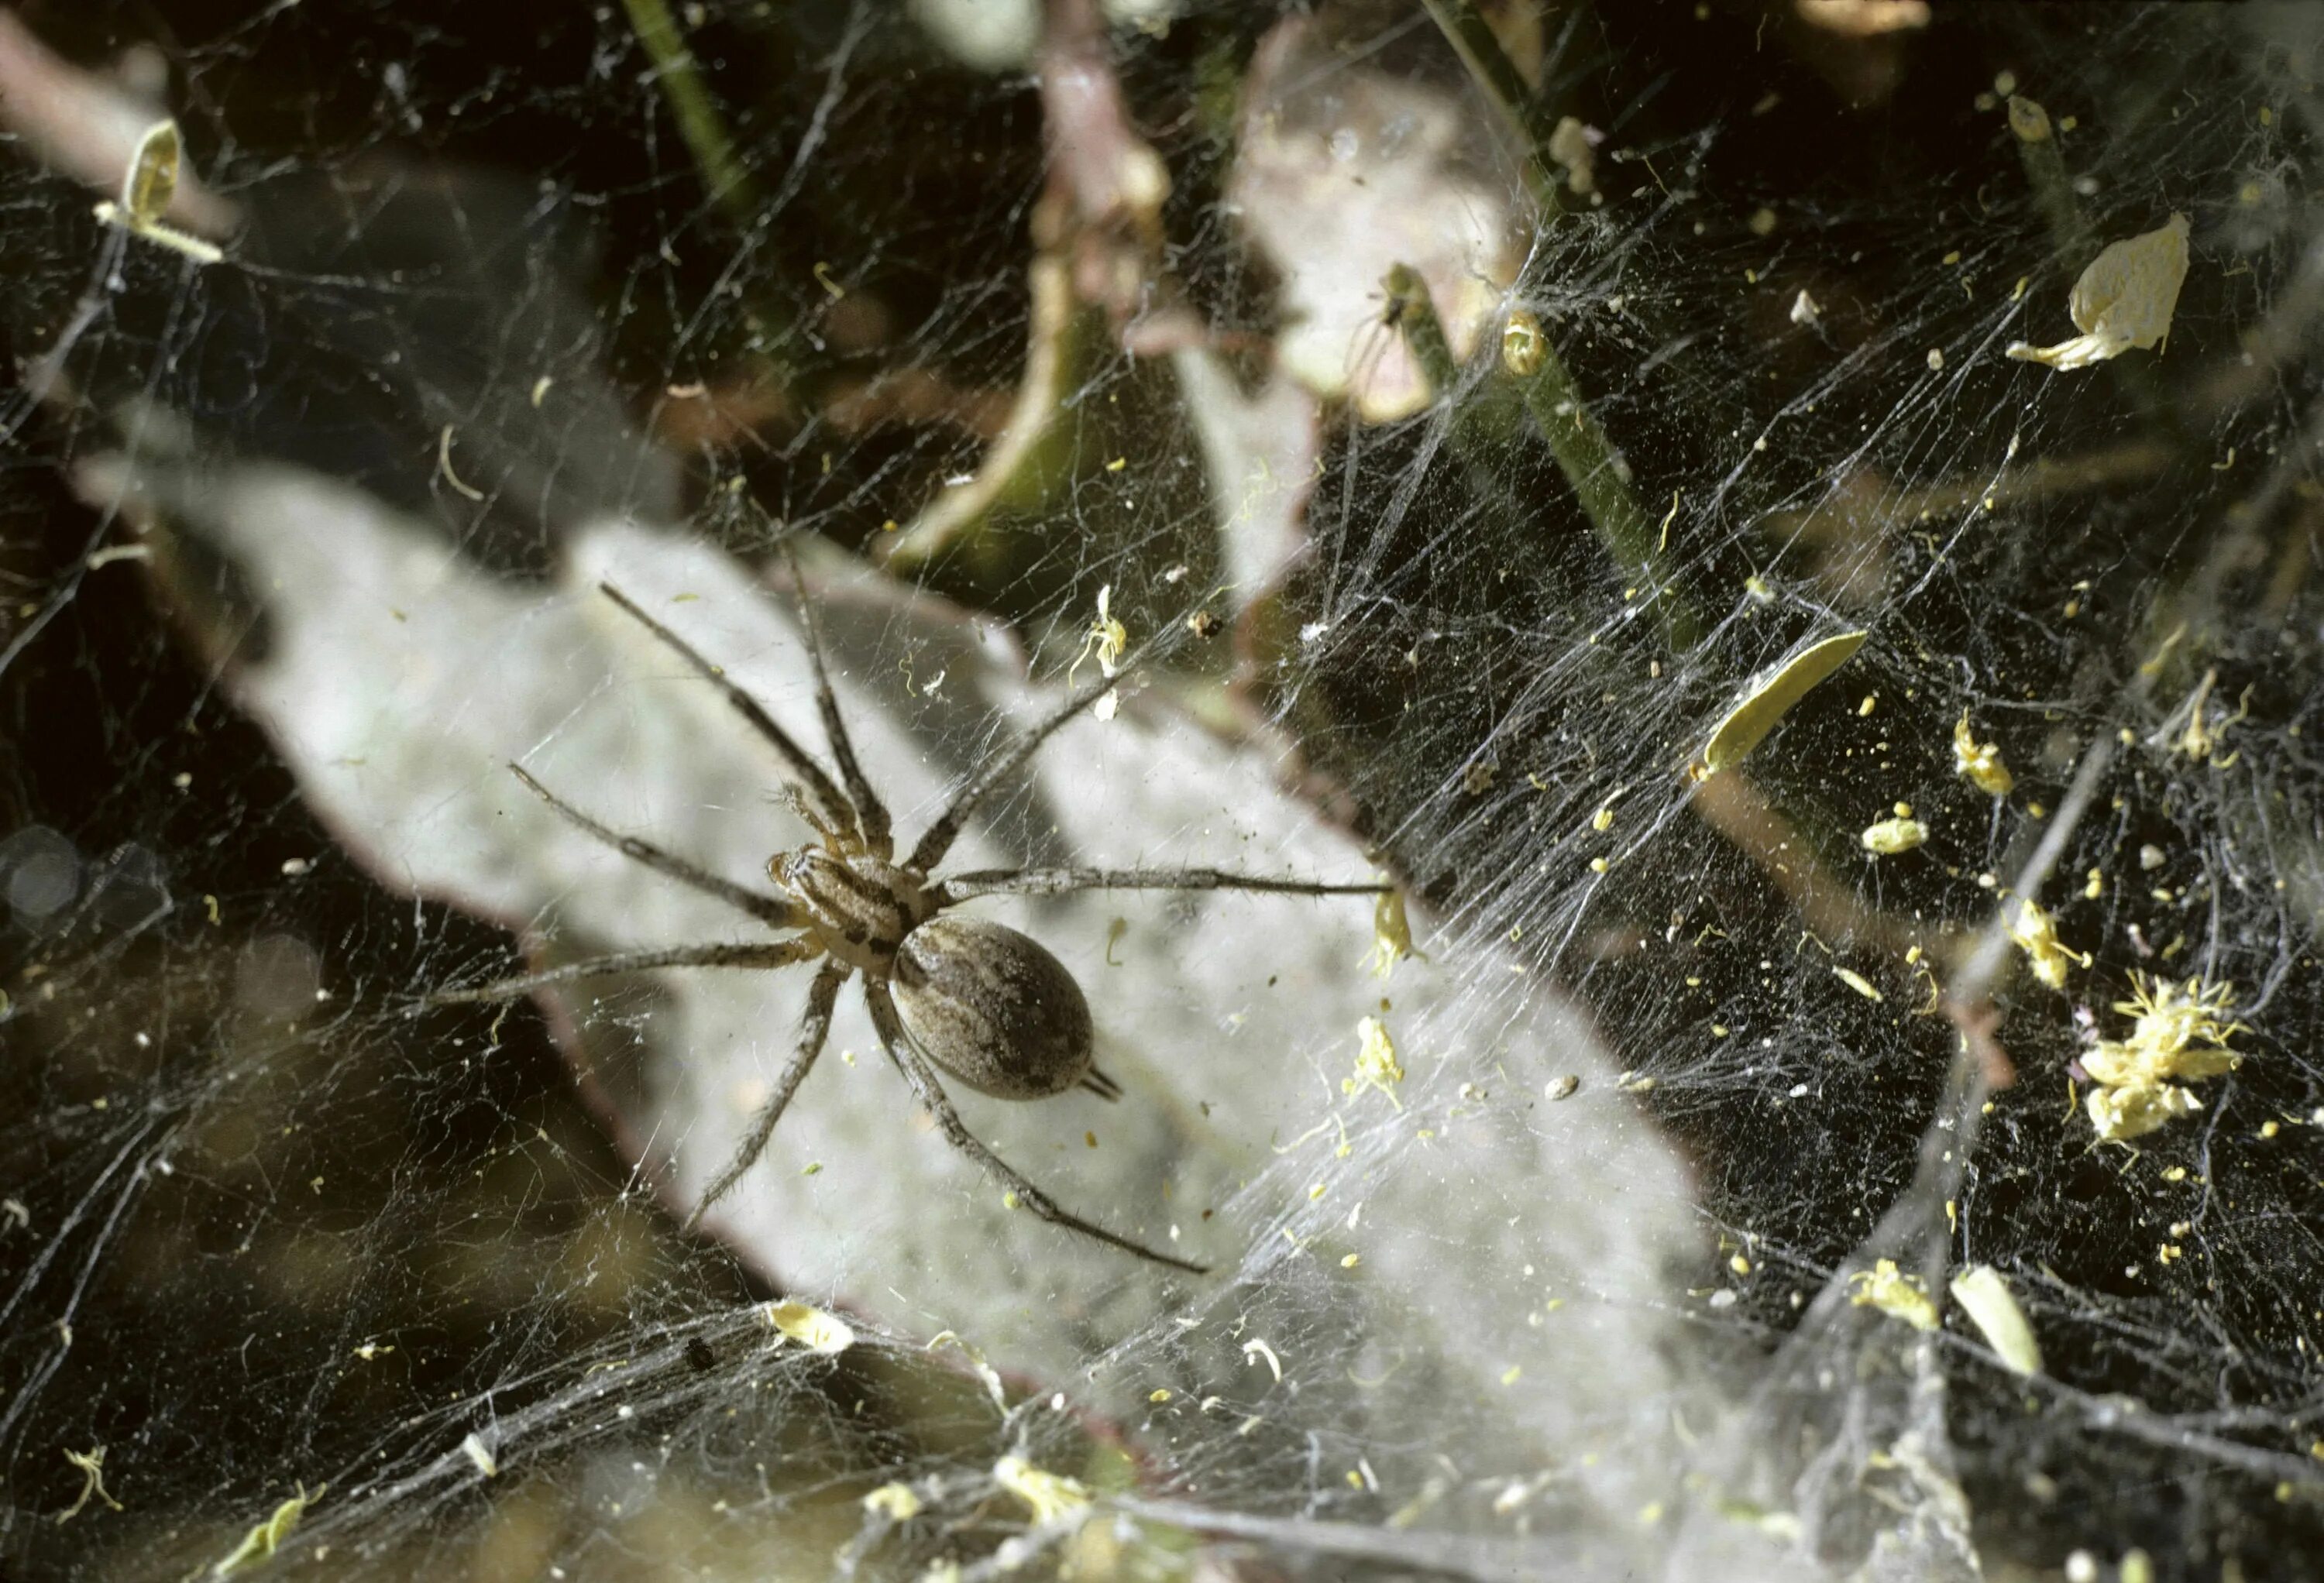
pixel 985 1003
pixel 859 908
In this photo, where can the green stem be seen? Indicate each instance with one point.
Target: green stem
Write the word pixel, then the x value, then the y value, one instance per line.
pixel 2053 190
pixel 1503 87
pixel 1415 316
pixel 698 118
pixel 1595 469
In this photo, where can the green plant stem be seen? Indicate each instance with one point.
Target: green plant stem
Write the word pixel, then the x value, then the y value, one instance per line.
pixel 1415 316
pixel 1584 454
pixel 1496 77
pixel 698 118
pixel 2053 190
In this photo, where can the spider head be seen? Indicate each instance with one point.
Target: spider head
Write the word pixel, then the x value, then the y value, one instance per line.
pixel 859 908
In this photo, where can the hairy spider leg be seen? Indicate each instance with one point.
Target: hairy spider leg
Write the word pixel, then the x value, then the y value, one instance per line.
pixel 960 888
pixel 756 954
pixel 772 911
pixel 931 1095
pixel 937 839
pixel 836 812
pixel 871 814
pixel 814 1028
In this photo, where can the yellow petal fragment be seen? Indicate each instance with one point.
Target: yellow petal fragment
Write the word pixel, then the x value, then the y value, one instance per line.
pixel 1052 1496
pixel 1885 1287
pixel 810 1327
pixel 1891 836
pixel 2118 1114
pixel 153 181
pixel 895 1501
pixel 1391 933
pixel 474 1449
pixel 1771 697
pixel 2037 933
pixel 984 1371
pixel 2123 301
pixel 147 191
pixel 1522 344
pixel 2179 1033
pixel 1986 1297
pixel 266 1538
pixel 1103 641
pixel 1981 763
pixel 1859 983
pixel 1376 1062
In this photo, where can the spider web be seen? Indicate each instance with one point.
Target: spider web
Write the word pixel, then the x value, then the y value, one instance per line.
pixel 986 309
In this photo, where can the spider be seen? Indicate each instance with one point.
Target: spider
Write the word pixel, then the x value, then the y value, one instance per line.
pixel 987 1003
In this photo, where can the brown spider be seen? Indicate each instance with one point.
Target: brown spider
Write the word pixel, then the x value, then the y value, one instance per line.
pixel 989 1004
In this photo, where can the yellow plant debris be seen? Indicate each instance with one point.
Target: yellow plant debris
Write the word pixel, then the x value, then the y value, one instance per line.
pixel 1391 933
pixel 2179 1033
pixel 1771 697
pixel 810 1327
pixel 1052 1496
pixel 1986 1297
pixel 1885 1287
pixel 264 1538
pixel 2123 301
pixel 147 191
pixel 1891 836
pixel 1105 641
pixel 1376 1062
pixel 896 1502
pixel 1980 762
pixel 2037 934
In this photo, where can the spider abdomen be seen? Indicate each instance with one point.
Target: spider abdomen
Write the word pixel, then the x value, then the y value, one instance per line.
pixel 992 1008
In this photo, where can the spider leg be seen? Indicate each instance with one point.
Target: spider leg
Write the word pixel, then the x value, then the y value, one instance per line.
pixel 771 954
pixel 937 839
pixel 820 793
pixel 871 813
pixel 774 912
pixel 814 1028
pixel 1059 881
pixel 931 1094
pixel 1102 1086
